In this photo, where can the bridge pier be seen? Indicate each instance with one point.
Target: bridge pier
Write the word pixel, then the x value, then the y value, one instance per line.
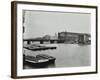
pixel 41 42
pixel 28 42
pixel 51 42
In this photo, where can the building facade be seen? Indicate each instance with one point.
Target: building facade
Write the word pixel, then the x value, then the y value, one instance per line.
pixel 70 37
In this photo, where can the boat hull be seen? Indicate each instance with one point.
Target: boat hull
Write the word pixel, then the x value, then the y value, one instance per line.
pixel 39 60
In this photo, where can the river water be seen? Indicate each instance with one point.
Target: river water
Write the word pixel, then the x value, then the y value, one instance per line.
pixel 67 55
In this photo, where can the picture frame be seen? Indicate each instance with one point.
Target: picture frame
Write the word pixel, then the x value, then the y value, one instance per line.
pixel 51 39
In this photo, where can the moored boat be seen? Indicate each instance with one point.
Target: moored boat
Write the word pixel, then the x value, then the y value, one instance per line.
pixel 40 60
pixel 38 47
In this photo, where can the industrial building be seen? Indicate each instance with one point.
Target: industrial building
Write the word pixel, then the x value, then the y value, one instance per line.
pixel 71 37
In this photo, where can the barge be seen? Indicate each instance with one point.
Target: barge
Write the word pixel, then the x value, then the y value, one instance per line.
pixel 38 47
pixel 40 60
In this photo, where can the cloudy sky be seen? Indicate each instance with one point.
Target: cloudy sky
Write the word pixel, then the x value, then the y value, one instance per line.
pixel 40 23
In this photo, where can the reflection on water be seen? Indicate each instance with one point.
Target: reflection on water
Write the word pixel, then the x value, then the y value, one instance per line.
pixel 67 55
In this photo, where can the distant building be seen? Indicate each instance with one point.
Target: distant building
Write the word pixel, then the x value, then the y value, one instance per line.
pixel 46 37
pixel 70 37
pixel 55 37
pixel 49 37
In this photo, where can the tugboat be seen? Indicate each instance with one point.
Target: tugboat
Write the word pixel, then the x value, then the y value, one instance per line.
pixel 40 60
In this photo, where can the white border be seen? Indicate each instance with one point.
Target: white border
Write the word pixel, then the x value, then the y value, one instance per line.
pixel 21 72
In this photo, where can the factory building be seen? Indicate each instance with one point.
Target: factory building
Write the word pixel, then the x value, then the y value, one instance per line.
pixel 70 37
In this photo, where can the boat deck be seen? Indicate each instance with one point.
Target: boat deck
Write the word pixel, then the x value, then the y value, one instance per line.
pixel 39 47
pixel 39 60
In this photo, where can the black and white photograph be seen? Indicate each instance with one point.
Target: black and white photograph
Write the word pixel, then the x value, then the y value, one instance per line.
pixel 54 39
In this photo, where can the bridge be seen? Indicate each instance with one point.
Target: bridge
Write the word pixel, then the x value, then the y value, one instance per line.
pixel 43 40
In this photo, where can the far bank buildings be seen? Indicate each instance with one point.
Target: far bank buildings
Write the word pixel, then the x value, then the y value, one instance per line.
pixel 63 37
pixel 71 37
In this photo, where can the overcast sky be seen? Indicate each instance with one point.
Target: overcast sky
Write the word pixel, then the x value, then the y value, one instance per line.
pixel 40 23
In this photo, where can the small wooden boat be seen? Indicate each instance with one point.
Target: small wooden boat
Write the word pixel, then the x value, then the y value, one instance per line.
pixel 40 60
pixel 35 60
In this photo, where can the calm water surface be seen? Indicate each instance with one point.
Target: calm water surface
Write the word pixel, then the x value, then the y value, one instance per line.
pixel 67 55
